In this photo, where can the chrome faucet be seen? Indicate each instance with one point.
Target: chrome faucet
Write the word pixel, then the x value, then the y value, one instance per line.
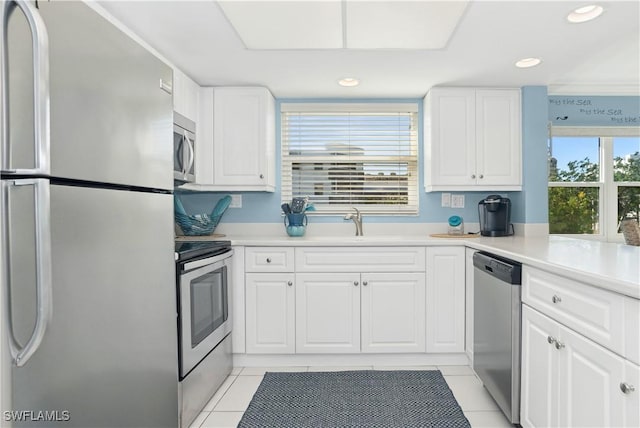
pixel 357 219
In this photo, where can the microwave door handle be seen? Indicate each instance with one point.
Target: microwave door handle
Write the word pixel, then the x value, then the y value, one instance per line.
pixel 180 155
pixel 191 154
pixel 44 282
pixel 186 154
pixel 41 110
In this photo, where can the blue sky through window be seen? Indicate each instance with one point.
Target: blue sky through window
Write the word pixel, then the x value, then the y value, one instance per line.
pixel 567 149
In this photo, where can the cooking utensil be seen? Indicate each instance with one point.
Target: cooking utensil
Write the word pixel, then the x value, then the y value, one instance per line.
pixel 297 205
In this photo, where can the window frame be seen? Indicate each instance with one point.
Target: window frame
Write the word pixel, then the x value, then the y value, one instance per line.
pixel 608 188
pixel 413 160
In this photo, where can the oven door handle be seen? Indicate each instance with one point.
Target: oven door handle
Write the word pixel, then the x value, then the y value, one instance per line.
pixel 208 261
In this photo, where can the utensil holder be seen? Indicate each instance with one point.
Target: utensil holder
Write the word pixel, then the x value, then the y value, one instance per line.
pixel 295 224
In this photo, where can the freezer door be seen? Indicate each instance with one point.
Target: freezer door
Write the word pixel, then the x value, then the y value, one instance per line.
pixel 26 264
pixel 109 356
pixel 111 114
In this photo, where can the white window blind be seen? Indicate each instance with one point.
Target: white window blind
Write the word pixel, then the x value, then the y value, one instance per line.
pixel 351 155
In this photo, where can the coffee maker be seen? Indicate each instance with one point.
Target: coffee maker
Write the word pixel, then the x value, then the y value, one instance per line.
pixel 495 216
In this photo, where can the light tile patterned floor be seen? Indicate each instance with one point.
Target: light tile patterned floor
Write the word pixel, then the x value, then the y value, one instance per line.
pixel 227 406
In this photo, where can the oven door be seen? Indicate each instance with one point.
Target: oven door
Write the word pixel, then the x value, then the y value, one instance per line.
pixel 205 302
pixel 183 154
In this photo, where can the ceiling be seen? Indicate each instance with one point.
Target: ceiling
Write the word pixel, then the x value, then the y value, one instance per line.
pixel 596 57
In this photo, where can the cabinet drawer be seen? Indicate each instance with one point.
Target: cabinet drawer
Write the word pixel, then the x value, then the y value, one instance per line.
pixel 360 259
pixel 269 259
pixel 596 313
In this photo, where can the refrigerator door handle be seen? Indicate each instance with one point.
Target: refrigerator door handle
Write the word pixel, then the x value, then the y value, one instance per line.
pixel 191 154
pixel 41 110
pixel 44 287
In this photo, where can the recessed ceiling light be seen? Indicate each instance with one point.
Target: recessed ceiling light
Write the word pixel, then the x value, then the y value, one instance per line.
pixel 585 13
pixel 348 81
pixel 528 62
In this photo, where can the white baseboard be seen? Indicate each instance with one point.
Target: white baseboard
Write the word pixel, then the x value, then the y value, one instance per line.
pixel 255 360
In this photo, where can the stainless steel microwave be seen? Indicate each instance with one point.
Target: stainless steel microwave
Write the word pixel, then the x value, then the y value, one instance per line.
pixel 184 141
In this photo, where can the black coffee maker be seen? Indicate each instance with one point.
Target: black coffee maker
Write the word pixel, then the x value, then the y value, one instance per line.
pixel 495 216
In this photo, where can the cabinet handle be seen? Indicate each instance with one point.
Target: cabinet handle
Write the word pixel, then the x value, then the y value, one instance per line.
pixel 365 283
pixel 289 283
pixel 556 299
pixel 355 283
pixel 268 260
pixel 473 176
pixel 559 345
pixel 261 175
pixel 551 339
pixel 626 388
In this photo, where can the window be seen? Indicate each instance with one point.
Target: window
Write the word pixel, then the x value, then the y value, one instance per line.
pixel 351 155
pixel 594 180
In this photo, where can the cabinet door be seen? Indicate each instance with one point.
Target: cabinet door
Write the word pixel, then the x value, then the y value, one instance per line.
pixel 450 137
pixel 469 302
pixel 393 312
pixel 445 299
pixel 498 146
pixel 589 379
pixel 270 300
pixel 539 370
pixel 244 138
pixel 185 95
pixel 328 313
pixel 632 397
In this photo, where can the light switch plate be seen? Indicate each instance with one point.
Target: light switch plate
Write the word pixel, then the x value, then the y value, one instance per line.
pixel 236 201
pixel 457 201
pixel 446 200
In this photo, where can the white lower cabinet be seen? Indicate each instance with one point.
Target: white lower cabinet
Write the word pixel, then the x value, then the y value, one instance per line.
pixel 393 312
pixel 353 312
pixel 327 313
pixel 468 338
pixel 570 381
pixel 270 313
pixel 445 299
pixel 632 397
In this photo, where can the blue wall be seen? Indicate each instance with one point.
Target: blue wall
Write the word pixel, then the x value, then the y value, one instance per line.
pixel 260 207
pixel 529 206
pixel 594 111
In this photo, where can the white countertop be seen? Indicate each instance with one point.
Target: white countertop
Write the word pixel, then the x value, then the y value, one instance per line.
pixel 611 266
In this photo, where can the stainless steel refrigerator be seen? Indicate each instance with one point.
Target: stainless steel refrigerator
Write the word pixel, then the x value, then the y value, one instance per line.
pixel 88 270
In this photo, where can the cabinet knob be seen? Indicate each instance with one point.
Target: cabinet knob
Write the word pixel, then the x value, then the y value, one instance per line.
pixel 261 175
pixel 289 283
pixel 355 283
pixel 481 176
pixel 268 260
pixel 365 283
pixel 559 345
pixel 551 339
pixel 556 299
pixel 626 388
pixel 473 176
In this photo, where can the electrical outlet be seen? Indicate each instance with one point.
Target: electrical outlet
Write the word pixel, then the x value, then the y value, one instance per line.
pixel 457 201
pixel 446 200
pixel 236 201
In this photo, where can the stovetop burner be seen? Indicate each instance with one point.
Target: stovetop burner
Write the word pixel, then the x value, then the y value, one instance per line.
pixel 186 250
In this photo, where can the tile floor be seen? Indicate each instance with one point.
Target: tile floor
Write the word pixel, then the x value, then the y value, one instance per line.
pixel 226 407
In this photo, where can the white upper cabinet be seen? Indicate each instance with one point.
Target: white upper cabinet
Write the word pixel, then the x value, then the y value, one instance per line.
pixel 236 140
pixel 185 95
pixel 472 139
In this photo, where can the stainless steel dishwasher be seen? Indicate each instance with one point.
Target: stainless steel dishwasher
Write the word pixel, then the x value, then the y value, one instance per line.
pixel 496 343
